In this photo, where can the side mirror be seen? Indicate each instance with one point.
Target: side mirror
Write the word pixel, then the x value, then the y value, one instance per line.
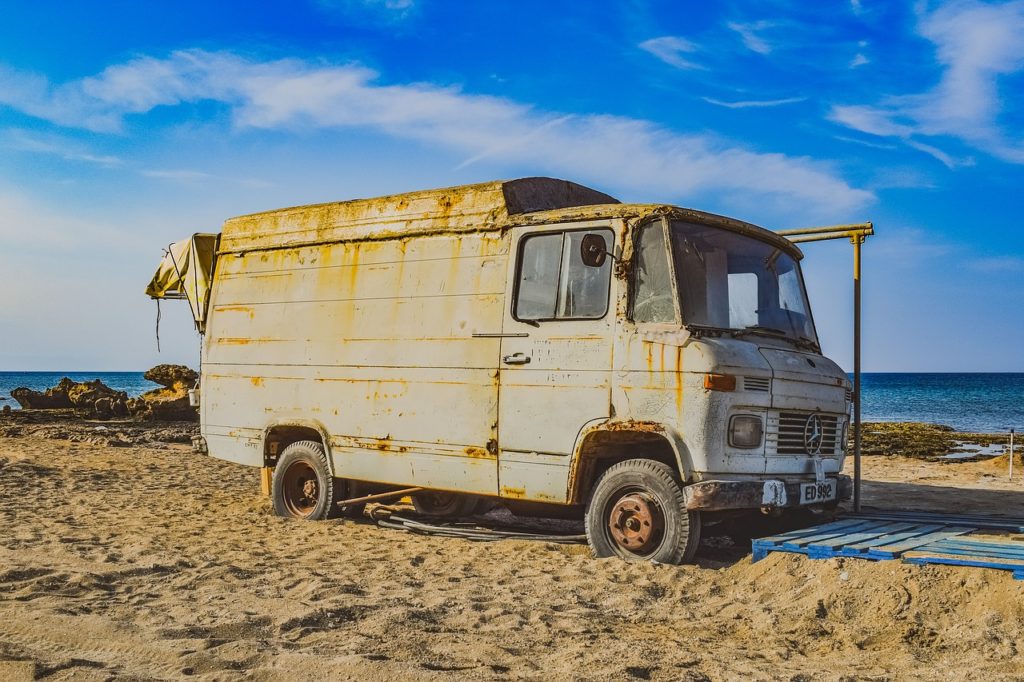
pixel 593 251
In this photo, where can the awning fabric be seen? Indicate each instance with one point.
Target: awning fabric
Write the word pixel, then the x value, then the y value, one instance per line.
pixel 187 272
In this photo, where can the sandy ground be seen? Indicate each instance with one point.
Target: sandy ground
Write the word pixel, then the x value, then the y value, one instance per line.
pixel 151 562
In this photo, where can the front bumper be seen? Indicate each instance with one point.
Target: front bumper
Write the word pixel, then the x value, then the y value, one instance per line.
pixel 771 494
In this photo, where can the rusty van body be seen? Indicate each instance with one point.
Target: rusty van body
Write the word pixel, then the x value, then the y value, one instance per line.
pixel 531 341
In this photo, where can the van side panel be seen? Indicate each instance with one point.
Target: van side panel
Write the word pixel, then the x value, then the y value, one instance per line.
pixel 373 341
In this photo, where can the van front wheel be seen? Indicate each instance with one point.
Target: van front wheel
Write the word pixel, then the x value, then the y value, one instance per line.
pixel 638 512
pixel 303 487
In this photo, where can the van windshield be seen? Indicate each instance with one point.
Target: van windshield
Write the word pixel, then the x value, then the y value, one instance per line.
pixel 733 282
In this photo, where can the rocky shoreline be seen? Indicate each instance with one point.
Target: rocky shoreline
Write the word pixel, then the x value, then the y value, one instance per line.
pixel 96 400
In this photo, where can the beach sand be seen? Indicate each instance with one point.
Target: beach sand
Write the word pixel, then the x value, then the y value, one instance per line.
pixel 152 562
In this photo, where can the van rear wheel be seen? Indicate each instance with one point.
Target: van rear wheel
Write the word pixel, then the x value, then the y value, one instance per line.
pixel 303 487
pixel 443 503
pixel 638 512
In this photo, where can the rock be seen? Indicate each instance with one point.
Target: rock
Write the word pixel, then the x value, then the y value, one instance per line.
pixel 172 376
pixel 51 399
pixel 120 407
pixel 85 395
pixel 104 408
pixel 91 397
pixel 162 405
pixel 171 402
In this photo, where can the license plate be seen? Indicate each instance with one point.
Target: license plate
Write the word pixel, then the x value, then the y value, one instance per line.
pixel 812 493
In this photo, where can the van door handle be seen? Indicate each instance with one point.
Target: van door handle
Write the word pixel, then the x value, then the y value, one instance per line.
pixel 516 359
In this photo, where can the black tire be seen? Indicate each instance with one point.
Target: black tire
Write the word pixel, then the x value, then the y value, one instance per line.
pixel 303 487
pixel 444 503
pixel 637 511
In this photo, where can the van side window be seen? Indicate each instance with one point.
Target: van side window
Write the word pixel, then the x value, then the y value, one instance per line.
pixel 553 283
pixel 652 285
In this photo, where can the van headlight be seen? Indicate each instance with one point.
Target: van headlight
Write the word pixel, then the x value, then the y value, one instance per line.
pixel 745 431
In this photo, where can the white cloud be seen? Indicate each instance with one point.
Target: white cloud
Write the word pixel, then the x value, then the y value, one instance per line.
pixel 749 34
pixel 187 175
pixel 873 145
pixel 296 95
pixel 999 264
pixel 746 104
pixel 946 160
pixel 859 60
pixel 387 10
pixel 32 225
pixel 856 6
pixel 670 49
pixel 977 45
pixel 23 141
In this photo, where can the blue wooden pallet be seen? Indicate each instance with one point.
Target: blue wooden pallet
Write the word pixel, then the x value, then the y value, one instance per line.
pixel 980 520
pixel 918 539
pixel 977 551
pixel 856 538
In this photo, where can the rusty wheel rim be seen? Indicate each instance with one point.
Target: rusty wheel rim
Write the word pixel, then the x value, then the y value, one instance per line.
pixel 636 523
pixel 300 489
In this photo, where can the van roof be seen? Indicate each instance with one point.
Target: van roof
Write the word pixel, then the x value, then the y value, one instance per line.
pixel 468 208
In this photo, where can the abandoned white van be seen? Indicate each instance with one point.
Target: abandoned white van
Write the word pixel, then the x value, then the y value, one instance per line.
pixel 533 341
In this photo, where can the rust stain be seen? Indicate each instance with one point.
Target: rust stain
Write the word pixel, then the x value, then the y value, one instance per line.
pixel 679 378
pixel 478 453
pixel 248 310
pixel 633 425
pixel 516 493
pixel 353 269
pixel 256 381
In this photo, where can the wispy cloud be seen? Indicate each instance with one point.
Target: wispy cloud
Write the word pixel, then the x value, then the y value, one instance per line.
pixel 859 60
pixel 383 10
pixel 747 104
pixel 873 145
pixel 190 175
pixel 670 49
pixel 24 141
pixel 977 45
pixel 33 225
pixel 998 264
pixel 296 95
pixel 908 246
pixel 749 34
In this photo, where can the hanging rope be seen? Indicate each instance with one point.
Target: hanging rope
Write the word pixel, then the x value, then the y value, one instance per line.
pixel 158 325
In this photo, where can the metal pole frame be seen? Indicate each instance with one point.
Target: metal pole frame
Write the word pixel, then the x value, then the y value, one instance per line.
pixel 856 233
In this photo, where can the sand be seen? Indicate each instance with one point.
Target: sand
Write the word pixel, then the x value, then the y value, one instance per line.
pixel 151 562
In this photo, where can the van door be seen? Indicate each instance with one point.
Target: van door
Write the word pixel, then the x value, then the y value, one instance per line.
pixel 556 356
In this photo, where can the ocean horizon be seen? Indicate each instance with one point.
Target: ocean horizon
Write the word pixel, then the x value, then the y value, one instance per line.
pixel 984 402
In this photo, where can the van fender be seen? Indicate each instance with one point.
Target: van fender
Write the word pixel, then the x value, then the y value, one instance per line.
pixel 311 424
pixel 669 434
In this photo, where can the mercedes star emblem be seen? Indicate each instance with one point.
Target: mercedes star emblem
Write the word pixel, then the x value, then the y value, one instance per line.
pixel 814 434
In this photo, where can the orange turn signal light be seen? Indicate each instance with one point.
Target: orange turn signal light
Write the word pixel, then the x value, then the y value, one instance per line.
pixel 720 382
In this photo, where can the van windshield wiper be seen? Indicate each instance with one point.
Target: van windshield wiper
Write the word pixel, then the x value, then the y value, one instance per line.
pixel 708 330
pixel 776 333
pixel 762 329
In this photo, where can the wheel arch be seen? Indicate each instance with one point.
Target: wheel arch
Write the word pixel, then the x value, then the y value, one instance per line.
pixel 604 443
pixel 280 434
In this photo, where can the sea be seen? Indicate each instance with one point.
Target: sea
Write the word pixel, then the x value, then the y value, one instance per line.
pixel 975 402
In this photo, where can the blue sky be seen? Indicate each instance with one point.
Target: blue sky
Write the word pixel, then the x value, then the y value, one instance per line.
pixel 125 126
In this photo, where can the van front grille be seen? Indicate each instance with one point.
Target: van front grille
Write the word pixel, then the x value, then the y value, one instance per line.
pixel 789 433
